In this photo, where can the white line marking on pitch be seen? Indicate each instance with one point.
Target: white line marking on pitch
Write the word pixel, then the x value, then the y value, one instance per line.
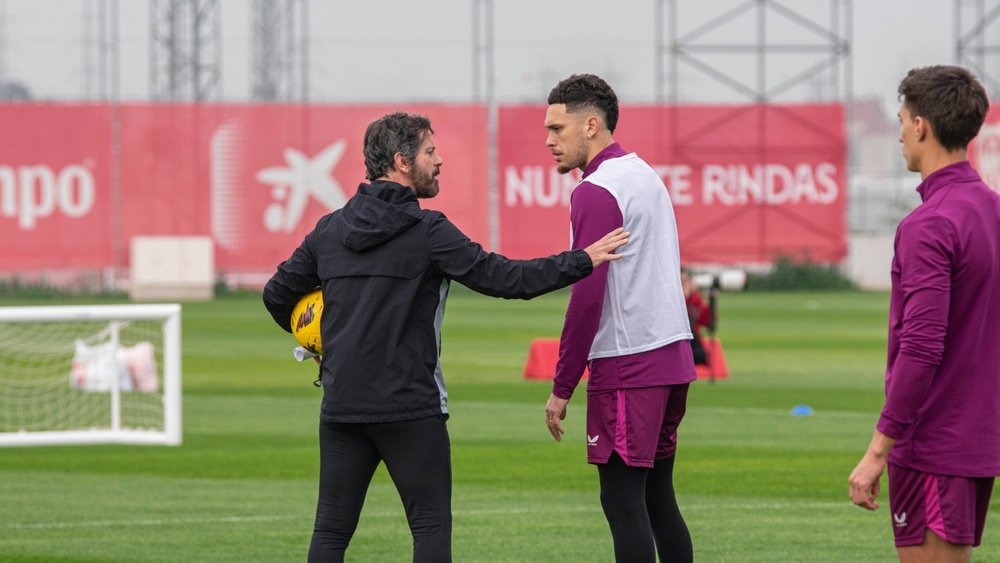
pixel 387 514
pixel 143 522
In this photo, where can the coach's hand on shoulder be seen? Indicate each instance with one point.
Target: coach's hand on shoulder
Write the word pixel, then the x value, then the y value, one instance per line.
pixel 602 250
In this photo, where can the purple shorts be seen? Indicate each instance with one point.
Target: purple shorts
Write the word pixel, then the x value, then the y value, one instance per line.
pixel 954 508
pixel 640 424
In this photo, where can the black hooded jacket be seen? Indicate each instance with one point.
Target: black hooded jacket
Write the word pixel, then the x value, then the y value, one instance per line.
pixel 384 266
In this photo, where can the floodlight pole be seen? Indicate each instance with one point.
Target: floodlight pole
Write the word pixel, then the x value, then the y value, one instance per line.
pixel 483 90
pixel 185 50
pixel 109 90
pixel 87 50
pixel 3 41
pixel 304 52
pixel 279 50
pixel 974 48
pixel 831 47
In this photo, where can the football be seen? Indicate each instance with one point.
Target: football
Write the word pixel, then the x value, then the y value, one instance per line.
pixel 306 320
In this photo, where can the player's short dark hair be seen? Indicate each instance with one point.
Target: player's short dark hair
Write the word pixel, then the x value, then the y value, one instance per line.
pixel 390 134
pixel 950 98
pixel 587 91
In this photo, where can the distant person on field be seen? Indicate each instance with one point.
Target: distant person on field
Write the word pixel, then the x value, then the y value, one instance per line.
pixel 384 265
pixel 939 431
pixel 627 322
pixel 700 315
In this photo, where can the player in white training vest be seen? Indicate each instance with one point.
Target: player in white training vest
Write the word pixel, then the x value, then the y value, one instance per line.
pixel 627 322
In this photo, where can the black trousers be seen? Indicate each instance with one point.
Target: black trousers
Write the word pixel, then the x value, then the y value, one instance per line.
pixel 417 454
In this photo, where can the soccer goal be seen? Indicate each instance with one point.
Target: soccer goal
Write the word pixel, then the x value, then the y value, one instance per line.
pixel 94 374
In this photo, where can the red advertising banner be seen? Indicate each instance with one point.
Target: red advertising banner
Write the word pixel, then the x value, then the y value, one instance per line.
pixel 253 177
pixel 78 182
pixel 55 209
pixel 748 183
pixel 257 178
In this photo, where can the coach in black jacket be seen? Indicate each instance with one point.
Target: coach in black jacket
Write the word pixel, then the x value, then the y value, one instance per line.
pixel 384 265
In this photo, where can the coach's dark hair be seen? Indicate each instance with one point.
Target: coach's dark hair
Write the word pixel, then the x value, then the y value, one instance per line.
pixel 587 91
pixel 390 134
pixel 950 98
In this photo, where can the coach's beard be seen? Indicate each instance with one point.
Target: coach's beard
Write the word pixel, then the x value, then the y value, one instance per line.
pixel 426 185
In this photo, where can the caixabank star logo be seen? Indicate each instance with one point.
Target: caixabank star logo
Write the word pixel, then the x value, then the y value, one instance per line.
pixel 267 187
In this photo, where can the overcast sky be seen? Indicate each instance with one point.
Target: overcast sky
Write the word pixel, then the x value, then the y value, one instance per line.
pixel 385 50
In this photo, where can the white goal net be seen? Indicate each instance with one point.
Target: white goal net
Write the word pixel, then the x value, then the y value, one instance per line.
pixel 95 374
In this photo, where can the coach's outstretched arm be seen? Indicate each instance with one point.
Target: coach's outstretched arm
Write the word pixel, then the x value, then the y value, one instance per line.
pixel 459 258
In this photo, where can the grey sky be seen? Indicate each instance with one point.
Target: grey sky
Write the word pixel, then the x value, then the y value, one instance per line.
pixel 383 50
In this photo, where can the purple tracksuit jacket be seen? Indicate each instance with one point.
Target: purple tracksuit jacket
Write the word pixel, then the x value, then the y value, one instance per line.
pixel 943 373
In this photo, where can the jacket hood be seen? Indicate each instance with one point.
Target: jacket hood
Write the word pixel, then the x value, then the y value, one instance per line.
pixel 378 213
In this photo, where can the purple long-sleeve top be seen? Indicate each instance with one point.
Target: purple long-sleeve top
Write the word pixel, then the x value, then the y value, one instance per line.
pixel 594 212
pixel 943 372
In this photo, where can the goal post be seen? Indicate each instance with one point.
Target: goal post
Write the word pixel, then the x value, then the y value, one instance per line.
pixel 90 374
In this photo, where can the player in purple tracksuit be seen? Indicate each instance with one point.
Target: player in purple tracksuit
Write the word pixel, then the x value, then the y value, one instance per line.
pixel 939 432
pixel 628 323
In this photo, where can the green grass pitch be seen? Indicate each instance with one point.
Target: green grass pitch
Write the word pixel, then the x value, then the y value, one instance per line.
pixel 754 482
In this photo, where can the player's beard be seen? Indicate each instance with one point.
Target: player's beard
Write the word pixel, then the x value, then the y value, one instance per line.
pixel 574 159
pixel 425 184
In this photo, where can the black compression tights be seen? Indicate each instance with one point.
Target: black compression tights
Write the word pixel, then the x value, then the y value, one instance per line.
pixel 642 511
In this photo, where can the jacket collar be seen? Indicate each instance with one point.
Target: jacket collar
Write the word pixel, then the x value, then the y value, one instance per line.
pixel 614 150
pixel 957 172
